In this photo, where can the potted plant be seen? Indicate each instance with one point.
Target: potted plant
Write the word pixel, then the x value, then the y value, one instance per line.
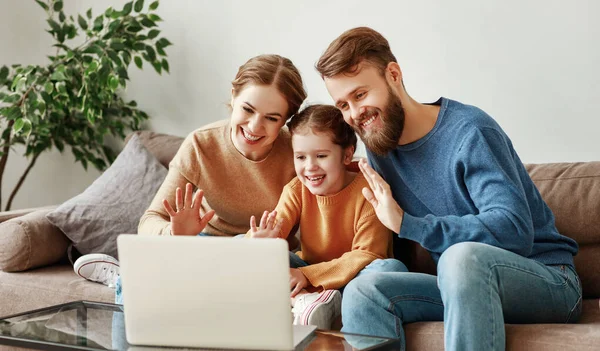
pixel 74 100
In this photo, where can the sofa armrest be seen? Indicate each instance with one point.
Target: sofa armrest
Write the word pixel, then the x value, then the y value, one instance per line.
pixel 6 215
pixel 29 241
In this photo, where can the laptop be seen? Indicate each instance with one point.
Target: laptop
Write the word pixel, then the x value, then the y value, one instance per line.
pixel 211 292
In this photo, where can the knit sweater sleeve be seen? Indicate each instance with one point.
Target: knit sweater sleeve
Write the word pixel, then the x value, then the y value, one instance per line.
pixel 486 164
pixel 156 221
pixel 371 241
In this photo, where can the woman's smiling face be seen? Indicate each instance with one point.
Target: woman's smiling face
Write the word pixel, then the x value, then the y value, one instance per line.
pixel 258 114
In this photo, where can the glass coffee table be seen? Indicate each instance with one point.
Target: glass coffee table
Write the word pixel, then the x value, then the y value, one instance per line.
pixel 83 325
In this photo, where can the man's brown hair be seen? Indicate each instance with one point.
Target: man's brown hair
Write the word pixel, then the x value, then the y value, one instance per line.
pixel 351 48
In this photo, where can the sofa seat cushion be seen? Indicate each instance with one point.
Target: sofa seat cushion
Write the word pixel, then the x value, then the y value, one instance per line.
pixel 584 335
pixel 43 287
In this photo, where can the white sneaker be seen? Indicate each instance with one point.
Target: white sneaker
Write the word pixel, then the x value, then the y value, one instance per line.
pixel 319 309
pixel 99 268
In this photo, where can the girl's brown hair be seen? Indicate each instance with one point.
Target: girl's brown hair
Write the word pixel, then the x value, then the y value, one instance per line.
pixel 276 70
pixel 353 47
pixel 324 119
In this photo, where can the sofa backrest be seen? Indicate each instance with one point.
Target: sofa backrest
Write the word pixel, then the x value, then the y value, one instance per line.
pixel 572 190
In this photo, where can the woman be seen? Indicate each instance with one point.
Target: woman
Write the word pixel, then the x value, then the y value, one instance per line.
pixel 239 165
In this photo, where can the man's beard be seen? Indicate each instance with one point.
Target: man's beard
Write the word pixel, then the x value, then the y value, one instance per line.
pixel 386 138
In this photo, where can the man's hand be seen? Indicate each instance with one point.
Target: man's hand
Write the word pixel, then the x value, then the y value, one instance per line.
pixel 269 226
pixel 187 220
pixel 298 281
pixel 380 196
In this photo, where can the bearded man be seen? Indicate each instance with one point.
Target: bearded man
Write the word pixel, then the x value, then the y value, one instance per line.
pixel 446 176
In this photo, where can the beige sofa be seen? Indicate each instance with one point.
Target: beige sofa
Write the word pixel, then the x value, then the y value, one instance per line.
pixel 35 272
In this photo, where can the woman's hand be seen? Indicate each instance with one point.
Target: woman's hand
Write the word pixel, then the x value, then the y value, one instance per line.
pixel 269 226
pixel 187 220
pixel 298 281
pixel 380 196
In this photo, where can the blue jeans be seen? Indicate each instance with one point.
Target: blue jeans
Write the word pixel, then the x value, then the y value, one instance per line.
pixel 478 288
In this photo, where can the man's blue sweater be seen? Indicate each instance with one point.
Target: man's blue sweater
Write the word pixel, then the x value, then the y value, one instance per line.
pixel 463 181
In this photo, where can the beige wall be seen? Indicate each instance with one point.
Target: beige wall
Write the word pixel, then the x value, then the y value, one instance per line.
pixel 533 65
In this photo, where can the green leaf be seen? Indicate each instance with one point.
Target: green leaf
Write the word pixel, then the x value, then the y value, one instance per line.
pixel 26 128
pixel 18 125
pixel 43 5
pixel 153 6
pixel 165 65
pixel 42 108
pixel 3 73
pixel 59 144
pixel 58 5
pixel 114 57
pixel 58 76
pixel 55 26
pixel 127 8
pixel 88 14
pixel 116 14
pixel 15 81
pixel 134 28
pixel 61 16
pixel 157 67
pixel 153 33
pixel 154 17
pixel 163 42
pixel 138 61
pixel 113 26
pixel 82 22
pixel 48 87
pixel 113 82
pixel 98 23
pixel 94 49
pixel 126 57
pixel 117 45
pixel 12 98
pixel 14 112
pixel 61 87
pixel 151 53
pixel 21 84
pixel 148 23
pixel 108 11
pixel 139 5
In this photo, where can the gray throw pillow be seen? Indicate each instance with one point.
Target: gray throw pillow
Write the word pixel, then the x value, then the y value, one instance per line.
pixel 113 204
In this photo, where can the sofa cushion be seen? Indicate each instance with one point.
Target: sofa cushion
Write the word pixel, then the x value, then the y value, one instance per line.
pixel 572 190
pixel 162 146
pixel 30 241
pixel 47 286
pixel 113 204
pixel 585 335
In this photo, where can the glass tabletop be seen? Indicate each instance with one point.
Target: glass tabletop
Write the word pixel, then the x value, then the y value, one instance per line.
pixel 84 325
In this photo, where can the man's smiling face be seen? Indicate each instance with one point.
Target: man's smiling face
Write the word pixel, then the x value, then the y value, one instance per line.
pixel 369 106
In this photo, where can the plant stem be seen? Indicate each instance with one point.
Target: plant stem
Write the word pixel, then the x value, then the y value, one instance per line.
pixel 21 180
pixel 4 158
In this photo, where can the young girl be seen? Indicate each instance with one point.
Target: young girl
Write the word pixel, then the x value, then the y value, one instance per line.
pixel 340 233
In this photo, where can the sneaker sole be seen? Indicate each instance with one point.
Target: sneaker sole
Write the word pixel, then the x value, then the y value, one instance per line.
pixel 323 299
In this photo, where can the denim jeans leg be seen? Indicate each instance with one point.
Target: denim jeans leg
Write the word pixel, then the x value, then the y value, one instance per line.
pixel 483 287
pixel 383 265
pixel 380 303
pixel 296 261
